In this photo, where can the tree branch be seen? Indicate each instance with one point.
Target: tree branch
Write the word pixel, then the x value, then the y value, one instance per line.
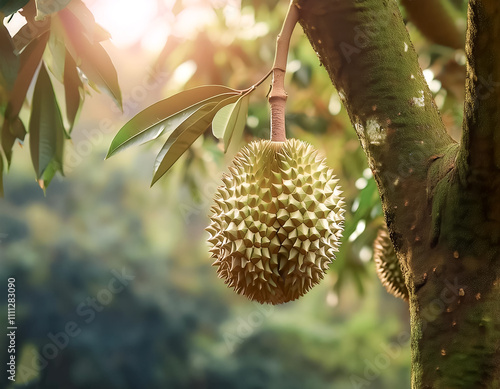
pixel 480 152
pixel 368 54
pixel 434 20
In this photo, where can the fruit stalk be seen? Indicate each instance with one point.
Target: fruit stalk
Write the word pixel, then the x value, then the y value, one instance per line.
pixel 278 96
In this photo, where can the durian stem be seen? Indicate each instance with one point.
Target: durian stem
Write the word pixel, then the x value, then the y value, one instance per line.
pixel 277 96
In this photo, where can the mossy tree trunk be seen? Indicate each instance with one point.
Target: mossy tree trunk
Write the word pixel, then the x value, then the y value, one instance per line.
pixel 441 199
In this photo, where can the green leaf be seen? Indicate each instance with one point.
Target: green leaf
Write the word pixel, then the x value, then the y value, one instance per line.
pixel 12 129
pixel 9 61
pixel 73 90
pixel 98 67
pixel 17 129
pixel 8 7
pixel 8 140
pixel 91 57
pixel 55 54
pixel 29 60
pixel 48 174
pixel 1 175
pixel 165 116
pixel 303 75
pixel 48 7
pixel 46 126
pixel 368 198
pixel 184 136
pixel 230 121
pixel 86 22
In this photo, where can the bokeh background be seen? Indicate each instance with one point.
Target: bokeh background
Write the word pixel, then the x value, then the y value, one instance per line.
pixel 115 287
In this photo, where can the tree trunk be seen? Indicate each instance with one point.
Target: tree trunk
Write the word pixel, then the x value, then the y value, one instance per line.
pixel 441 199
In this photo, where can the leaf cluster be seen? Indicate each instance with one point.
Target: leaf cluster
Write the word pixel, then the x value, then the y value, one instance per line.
pixel 60 43
pixel 182 118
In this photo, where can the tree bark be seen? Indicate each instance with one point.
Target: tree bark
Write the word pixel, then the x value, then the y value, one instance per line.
pixel 440 199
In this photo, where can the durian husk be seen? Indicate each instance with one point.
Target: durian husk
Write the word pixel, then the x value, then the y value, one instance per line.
pixel 387 265
pixel 276 221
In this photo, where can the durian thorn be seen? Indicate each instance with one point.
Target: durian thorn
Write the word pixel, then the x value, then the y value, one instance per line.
pixel 277 96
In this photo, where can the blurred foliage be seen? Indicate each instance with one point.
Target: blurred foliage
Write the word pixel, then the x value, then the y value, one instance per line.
pixel 176 325
pixel 63 37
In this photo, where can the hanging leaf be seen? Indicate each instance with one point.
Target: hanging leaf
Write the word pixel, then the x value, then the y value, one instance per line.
pixel 48 174
pixel 17 129
pixel 8 140
pixel 86 22
pixel 48 7
pixel 239 124
pixel 46 126
pixel 32 29
pixel 91 57
pixel 230 121
pixel 184 136
pixel 166 115
pixel 12 129
pixel 29 60
pixel 8 7
pixel 9 62
pixel 73 90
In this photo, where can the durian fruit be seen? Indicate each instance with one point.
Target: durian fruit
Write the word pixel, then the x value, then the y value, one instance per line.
pixel 276 222
pixel 387 265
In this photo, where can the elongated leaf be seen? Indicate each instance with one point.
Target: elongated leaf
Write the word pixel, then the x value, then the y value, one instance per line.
pixel 150 123
pixel 8 7
pixel 73 90
pixel 91 57
pixel 9 62
pixel 184 136
pixel 239 123
pixel 48 174
pixel 8 139
pixel 48 7
pixel 93 31
pixel 221 119
pixel 230 120
pixel 46 126
pixel 30 59
pixel 28 32
pixel 55 54
pixel 98 67
pixel 17 129
pixel 1 175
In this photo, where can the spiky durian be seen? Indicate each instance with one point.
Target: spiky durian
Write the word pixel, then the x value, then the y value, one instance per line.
pixel 276 222
pixel 387 265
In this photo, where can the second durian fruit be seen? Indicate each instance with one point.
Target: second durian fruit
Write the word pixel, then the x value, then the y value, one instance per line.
pixel 276 222
pixel 387 265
